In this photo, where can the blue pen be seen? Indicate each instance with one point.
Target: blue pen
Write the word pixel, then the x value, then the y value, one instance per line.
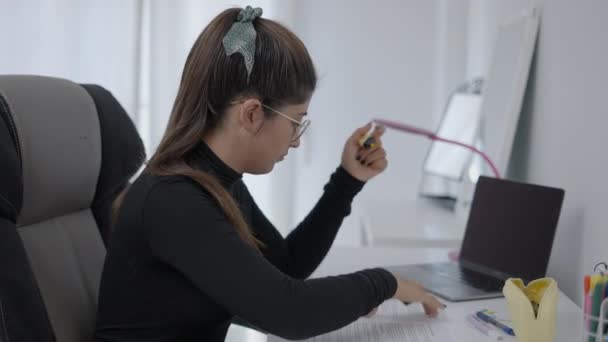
pixel 487 318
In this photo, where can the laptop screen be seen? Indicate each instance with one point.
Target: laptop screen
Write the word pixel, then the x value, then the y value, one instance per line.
pixel 511 227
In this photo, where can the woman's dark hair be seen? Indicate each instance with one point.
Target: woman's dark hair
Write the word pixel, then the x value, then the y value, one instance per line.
pixel 283 73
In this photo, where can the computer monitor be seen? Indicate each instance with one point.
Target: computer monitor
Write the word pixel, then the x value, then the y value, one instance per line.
pixel 459 123
pixel 496 111
pixel 505 84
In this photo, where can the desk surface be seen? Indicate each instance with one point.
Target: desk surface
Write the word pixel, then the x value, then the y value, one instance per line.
pixel 349 259
pixel 415 223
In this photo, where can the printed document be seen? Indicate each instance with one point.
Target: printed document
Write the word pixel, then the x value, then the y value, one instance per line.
pixel 393 322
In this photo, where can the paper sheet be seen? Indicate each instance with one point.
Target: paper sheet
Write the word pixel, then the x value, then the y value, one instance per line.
pixel 393 322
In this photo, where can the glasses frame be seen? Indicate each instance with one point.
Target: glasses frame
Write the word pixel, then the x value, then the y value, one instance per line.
pixel 301 125
pixel 300 129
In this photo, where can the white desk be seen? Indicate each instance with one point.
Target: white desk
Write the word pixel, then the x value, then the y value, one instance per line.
pixel 342 260
pixel 415 223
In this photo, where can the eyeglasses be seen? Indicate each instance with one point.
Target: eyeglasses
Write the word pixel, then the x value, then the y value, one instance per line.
pixel 299 127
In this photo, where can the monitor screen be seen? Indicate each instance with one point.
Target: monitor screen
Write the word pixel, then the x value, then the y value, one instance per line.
pixel 460 123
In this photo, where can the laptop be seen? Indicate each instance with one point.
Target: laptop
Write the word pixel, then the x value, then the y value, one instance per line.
pixel 509 234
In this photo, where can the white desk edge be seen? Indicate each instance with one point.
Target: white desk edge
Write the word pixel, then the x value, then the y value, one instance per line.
pixel 342 260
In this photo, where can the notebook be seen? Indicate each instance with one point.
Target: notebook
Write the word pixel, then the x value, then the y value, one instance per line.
pixel 509 233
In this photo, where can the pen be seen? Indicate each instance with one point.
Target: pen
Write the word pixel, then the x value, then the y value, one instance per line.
pixel 483 328
pixel 367 141
pixel 487 318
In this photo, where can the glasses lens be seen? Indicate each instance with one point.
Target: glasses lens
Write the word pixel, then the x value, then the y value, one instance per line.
pixel 301 129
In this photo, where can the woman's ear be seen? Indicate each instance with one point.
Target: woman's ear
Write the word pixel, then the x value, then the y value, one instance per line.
pixel 251 115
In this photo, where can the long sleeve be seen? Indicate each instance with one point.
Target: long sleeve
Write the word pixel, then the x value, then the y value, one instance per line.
pixel 301 252
pixel 187 231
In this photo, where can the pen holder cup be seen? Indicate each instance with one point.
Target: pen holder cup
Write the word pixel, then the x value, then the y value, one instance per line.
pixel 595 327
pixel 532 308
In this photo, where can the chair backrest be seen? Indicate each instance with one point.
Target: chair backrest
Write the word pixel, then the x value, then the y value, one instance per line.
pixel 22 312
pixel 73 150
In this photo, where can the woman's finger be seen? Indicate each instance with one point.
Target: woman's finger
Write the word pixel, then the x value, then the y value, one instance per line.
pixel 358 133
pixel 362 153
pixel 379 131
pixel 379 165
pixel 432 305
pixel 371 139
pixel 373 156
pixel 429 310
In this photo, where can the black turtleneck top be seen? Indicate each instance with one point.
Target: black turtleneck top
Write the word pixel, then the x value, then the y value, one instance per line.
pixel 176 270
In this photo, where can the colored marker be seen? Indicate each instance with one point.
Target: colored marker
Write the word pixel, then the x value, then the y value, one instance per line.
pixel 597 294
pixel 595 278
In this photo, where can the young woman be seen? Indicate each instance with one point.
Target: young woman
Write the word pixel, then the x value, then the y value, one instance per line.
pixel 191 250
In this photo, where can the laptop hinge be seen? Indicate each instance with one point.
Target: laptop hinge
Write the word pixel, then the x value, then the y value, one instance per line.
pixel 487 270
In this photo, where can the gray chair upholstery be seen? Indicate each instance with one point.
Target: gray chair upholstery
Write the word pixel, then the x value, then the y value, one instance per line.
pixel 73 150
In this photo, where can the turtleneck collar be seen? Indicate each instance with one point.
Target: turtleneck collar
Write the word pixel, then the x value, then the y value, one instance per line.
pixel 205 159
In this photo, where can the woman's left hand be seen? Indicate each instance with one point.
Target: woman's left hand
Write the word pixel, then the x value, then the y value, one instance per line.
pixel 362 163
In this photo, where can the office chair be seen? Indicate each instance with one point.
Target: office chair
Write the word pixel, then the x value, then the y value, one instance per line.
pixel 66 151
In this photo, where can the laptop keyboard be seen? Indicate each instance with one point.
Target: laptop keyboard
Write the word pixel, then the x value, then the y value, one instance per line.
pixel 475 279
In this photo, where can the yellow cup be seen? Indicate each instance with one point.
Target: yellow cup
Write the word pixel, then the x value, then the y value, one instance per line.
pixel 532 308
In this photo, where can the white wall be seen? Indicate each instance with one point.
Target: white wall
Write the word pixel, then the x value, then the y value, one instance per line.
pixel 376 59
pixel 561 132
pixel 484 16
pixel 84 41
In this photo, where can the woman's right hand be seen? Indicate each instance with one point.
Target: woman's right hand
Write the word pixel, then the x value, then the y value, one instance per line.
pixel 411 292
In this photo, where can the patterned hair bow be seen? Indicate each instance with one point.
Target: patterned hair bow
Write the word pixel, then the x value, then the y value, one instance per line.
pixel 241 36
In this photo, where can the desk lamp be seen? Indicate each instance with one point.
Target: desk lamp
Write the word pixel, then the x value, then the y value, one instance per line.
pixel 431 135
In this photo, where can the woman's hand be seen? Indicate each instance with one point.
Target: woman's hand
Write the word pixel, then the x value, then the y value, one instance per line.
pixel 363 163
pixel 410 292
